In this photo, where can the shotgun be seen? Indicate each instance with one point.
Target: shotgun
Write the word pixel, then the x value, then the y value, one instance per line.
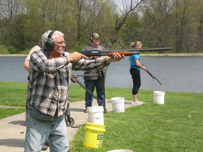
pixel 152 75
pixel 103 86
pixel 127 52
pixel 73 79
pixel 86 75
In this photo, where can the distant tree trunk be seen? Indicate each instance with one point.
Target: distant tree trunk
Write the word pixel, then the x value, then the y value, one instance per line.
pixel 199 44
pixel 200 40
pixel 177 28
pixel 114 34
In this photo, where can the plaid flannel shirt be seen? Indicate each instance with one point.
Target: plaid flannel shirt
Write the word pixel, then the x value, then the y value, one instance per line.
pixel 49 83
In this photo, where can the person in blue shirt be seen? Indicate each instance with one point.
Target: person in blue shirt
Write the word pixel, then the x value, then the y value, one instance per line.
pixel 135 71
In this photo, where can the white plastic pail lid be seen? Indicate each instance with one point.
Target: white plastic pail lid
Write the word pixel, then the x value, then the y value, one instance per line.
pixel 95 109
pixel 159 93
pixel 117 99
pixel 120 150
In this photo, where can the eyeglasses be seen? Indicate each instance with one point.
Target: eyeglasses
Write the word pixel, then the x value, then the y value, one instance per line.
pixel 61 42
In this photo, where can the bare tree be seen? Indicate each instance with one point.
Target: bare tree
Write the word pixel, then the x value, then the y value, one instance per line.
pixel 84 15
pixel 92 16
pixel 121 20
pixel 108 17
pixel 8 10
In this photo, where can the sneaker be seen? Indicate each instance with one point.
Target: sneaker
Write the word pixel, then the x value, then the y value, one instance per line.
pixel 44 147
pixel 136 102
pixel 132 102
pixel 85 111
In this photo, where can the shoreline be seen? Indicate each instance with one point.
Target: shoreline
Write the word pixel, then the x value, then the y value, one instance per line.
pixel 197 54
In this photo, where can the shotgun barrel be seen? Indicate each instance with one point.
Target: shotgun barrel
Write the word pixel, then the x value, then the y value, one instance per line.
pixel 126 52
pixel 152 75
pixel 76 80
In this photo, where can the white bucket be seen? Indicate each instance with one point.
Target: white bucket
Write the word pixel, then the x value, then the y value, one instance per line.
pixel 118 104
pixel 96 115
pixel 120 150
pixel 159 97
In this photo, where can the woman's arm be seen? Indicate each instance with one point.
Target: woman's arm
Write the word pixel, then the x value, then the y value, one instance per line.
pixel 139 65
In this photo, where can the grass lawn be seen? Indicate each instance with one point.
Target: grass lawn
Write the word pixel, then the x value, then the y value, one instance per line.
pixel 175 126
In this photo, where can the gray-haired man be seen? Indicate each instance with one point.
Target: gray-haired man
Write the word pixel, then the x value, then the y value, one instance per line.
pixel 50 72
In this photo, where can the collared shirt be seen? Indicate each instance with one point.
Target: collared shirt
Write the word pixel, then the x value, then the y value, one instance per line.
pixel 48 88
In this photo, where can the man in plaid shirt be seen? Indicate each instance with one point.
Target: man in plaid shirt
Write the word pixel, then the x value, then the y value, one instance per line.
pixel 48 89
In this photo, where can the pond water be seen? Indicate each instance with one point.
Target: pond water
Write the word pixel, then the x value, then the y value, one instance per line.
pixel 181 74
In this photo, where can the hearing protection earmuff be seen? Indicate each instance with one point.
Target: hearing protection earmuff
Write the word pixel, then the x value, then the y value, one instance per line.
pixel 49 45
pixel 91 37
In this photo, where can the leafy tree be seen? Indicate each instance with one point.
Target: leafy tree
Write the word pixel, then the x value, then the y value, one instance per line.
pixel 176 23
pixel 185 12
pixel 46 15
pixel 157 23
pixel 198 32
pixel 12 50
pixel 131 31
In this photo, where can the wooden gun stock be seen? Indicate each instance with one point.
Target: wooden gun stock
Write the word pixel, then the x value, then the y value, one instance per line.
pixel 126 53
pixel 73 79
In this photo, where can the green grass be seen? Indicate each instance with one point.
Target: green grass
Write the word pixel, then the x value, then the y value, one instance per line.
pixel 5 112
pixel 175 126
pixel 13 93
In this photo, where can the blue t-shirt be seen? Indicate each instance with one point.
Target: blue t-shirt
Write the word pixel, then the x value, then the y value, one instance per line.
pixel 132 60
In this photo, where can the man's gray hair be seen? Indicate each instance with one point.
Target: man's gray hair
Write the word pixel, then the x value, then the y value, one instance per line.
pixel 46 34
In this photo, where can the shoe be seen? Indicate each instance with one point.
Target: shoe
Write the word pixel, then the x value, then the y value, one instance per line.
pixel 44 147
pixel 132 102
pixel 105 110
pixel 47 143
pixel 85 111
pixel 136 102
pixel 69 150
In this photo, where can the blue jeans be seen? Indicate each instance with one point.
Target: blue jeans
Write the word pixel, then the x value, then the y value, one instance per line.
pixel 38 131
pixel 90 85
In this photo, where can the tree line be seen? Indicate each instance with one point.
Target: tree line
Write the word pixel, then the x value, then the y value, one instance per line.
pixel 156 23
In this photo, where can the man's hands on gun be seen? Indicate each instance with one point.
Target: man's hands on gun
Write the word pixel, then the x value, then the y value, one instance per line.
pixel 76 56
pixel 115 57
